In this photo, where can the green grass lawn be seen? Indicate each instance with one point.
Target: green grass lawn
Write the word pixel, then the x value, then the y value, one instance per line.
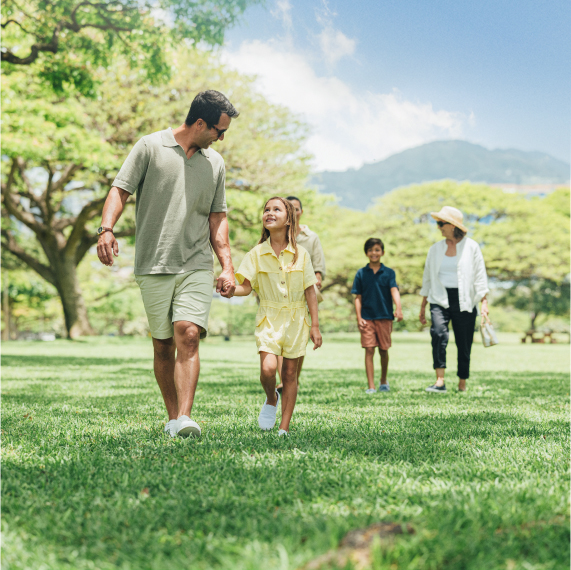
pixel 89 481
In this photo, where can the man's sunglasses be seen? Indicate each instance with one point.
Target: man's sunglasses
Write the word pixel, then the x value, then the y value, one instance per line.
pixel 219 131
pixel 442 224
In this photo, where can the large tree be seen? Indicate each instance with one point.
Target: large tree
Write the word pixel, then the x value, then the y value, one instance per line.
pixel 63 155
pixel 69 40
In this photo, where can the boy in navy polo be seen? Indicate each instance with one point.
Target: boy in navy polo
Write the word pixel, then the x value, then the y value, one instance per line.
pixel 375 288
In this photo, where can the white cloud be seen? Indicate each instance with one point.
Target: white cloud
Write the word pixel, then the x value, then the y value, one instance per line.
pixel 350 127
pixel 335 45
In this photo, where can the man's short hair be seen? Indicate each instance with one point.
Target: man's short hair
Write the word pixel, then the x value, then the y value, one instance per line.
pixel 290 198
pixel 372 242
pixel 208 106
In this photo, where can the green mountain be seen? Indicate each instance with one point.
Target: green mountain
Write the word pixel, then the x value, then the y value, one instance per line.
pixel 456 160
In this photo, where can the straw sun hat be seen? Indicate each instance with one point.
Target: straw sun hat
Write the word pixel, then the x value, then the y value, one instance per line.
pixel 451 215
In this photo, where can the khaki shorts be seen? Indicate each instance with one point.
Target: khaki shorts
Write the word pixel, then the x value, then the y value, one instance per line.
pixel 377 333
pixel 182 297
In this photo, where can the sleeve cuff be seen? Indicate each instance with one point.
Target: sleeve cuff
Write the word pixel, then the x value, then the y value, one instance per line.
pixel 124 185
pixel 241 276
pixel 311 283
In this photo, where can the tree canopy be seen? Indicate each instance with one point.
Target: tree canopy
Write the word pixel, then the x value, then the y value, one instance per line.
pixel 63 154
pixel 71 39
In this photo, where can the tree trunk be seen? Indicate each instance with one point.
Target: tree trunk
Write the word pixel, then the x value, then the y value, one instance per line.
pixel 74 309
pixel 533 319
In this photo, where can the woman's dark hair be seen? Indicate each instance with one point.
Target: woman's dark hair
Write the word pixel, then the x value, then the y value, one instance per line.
pixel 458 233
pixel 295 198
pixel 208 106
pixel 372 242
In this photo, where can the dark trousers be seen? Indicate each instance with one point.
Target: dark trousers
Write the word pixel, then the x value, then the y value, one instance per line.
pixel 463 324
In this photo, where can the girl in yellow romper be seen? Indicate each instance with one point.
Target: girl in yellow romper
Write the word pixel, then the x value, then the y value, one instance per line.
pixel 282 275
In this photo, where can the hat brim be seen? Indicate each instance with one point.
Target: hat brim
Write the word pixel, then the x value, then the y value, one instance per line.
pixel 444 218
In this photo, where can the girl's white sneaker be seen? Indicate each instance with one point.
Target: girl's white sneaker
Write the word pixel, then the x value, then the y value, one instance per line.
pixel 267 417
pixel 282 432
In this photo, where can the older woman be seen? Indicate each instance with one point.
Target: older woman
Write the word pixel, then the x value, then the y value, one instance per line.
pixel 454 282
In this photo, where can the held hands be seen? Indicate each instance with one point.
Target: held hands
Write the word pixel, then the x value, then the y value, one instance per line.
pixel 107 247
pixel 315 336
pixel 225 284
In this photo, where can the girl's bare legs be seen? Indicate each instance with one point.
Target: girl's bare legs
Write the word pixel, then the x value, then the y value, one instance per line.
pixel 289 392
pixel 280 364
pixel 440 376
pixel 268 367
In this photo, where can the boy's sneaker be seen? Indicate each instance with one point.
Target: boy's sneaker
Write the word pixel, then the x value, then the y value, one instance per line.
pixel 384 388
pixel 187 427
pixel 283 432
pixel 370 391
pixel 170 428
pixel 267 417
pixel 435 388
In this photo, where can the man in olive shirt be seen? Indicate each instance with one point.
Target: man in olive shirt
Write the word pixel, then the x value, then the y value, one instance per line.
pixel 179 183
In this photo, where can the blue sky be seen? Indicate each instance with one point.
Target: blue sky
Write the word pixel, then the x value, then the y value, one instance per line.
pixel 375 77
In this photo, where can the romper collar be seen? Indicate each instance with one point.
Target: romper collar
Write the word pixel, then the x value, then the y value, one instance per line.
pixel 267 248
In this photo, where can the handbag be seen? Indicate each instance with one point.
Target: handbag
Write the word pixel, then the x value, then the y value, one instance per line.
pixel 489 337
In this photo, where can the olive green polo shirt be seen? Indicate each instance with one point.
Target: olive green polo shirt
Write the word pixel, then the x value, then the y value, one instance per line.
pixel 175 196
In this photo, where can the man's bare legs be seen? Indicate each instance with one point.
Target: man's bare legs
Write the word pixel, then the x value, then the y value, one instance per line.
pixel 186 365
pixel 164 350
pixel 290 369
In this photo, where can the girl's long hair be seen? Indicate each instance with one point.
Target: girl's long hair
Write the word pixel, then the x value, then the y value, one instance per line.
pixel 292 225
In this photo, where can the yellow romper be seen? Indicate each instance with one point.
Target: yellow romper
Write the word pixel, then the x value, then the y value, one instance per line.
pixel 282 322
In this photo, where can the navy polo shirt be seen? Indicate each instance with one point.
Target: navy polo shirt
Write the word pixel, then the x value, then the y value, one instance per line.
pixel 375 291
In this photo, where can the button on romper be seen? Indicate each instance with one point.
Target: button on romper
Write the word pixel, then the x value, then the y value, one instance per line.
pixel 282 322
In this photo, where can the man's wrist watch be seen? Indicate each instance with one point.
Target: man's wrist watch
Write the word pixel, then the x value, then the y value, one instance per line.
pixel 102 230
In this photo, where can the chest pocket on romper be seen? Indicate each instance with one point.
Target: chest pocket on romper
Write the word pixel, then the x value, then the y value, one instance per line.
pixel 268 270
pixel 295 276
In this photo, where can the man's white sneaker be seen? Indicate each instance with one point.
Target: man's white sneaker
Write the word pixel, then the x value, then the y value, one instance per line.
pixel 171 426
pixel 267 417
pixel 187 427
pixel 283 432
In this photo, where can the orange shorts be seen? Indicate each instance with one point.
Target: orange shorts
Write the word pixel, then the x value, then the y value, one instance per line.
pixel 377 333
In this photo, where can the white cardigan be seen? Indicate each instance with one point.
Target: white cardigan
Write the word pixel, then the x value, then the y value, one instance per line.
pixel 472 278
